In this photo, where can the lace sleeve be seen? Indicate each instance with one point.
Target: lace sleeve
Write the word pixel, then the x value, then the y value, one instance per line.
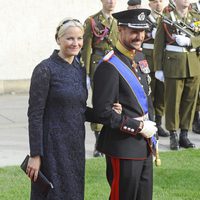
pixel 37 101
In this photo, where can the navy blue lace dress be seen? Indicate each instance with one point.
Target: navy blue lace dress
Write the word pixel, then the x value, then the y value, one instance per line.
pixel 56 110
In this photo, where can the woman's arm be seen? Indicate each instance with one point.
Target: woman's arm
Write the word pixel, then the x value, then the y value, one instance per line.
pixel 37 101
pixel 38 93
pixel 90 115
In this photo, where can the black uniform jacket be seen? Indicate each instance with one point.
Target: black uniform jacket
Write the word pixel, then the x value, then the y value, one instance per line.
pixel 120 135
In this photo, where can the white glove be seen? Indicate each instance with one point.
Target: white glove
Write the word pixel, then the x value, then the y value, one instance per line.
pixel 182 40
pixel 88 82
pixel 153 33
pixel 159 75
pixel 149 129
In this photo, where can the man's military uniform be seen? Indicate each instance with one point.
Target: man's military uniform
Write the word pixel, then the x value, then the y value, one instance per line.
pixel 100 37
pixel 119 137
pixel 181 67
pixel 142 68
pixel 196 123
pixel 156 85
pixel 120 77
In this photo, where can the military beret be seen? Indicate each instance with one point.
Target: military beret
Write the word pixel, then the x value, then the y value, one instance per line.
pixel 134 18
pixel 134 2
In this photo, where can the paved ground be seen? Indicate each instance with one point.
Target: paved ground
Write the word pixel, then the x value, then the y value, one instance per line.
pixel 14 132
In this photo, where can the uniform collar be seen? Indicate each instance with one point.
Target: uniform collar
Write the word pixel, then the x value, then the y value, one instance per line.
pixel 106 15
pixel 102 19
pixel 126 52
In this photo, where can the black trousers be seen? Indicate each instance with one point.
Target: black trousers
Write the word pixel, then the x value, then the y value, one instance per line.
pixel 130 179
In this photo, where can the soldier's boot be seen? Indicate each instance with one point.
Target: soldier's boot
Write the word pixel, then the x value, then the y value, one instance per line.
pixel 184 140
pixel 174 145
pixel 96 153
pixel 161 131
pixel 196 123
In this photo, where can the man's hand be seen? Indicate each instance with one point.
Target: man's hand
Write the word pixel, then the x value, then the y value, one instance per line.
pixel 182 40
pixel 153 33
pixel 149 129
pixel 88 82
pixel 159 75
pixel 33 167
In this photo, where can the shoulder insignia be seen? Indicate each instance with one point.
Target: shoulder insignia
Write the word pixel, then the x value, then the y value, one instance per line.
pixel 144 67
pixel 108 56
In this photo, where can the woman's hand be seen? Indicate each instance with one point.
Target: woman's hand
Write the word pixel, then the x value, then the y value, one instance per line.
pixel 33 167
pixel 117 107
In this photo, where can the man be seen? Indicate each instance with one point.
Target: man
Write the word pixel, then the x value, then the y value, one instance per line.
pixel 133 4
pixel 157 86
pixel 99 38
pixel 140 58
pixel 196 123
pixel 196 6
pixel 125 138
pixel 177 61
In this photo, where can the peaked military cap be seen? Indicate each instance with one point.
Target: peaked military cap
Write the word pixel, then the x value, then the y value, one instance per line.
pixel 134 2
pixel 134 18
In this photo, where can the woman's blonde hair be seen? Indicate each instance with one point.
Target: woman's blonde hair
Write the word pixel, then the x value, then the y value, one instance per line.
pixel 65 24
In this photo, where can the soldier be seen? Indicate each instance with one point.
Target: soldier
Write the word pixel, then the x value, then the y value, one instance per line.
pixel 140 58
pixel 132 4
pixel 157 86
pixel 170 7
pixel 99 38
pixel 196 123
pixel 196 6
pixel 177 63
pixel 125 137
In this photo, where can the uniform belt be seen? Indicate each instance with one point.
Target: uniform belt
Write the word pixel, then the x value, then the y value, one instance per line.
pixel 148 46
pixel 142 118
pixel 178 49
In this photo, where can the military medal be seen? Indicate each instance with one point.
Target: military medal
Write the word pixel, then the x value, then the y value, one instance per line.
pixel 144 66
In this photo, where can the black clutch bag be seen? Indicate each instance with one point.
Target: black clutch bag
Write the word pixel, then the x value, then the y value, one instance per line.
pixel 42 183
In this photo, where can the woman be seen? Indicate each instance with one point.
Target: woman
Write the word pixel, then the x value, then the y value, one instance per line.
pixel 57 111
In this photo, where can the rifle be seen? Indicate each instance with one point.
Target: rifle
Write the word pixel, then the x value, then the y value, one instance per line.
pixel 171 4
pixel 176 24
pixel 173 7
pixel 151 21
pixel 195 7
